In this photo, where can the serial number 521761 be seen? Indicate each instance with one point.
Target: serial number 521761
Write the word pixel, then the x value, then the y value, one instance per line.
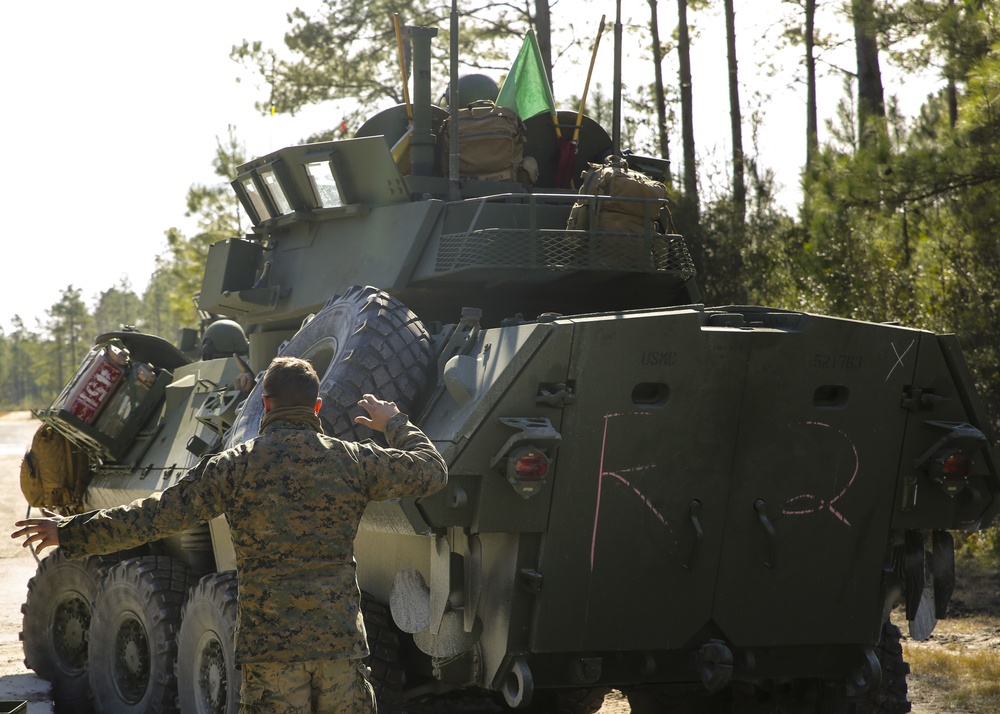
pixel 822 361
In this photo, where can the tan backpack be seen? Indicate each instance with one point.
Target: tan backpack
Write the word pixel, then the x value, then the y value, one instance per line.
pixel 618 216
pixel 54 472
pixel 490 142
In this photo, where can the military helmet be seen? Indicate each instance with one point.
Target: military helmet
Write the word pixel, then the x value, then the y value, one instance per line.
pixel 473 87
pixel 222 338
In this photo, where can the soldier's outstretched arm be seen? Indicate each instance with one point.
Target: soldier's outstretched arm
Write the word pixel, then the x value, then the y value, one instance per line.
pixel 42 531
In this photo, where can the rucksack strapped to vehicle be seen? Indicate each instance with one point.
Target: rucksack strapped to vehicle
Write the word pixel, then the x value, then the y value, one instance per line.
pixel 54 472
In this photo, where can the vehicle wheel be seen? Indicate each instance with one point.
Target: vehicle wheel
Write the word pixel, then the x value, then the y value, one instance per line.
pixel 56 622
pixel 387 675
pixel 207 679
pixel 566 701
pixel 364 341
pixel 132 637
pixel 675 702
pixel 890 696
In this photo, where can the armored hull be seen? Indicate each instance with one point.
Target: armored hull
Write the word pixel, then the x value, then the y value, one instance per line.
pixel 704 507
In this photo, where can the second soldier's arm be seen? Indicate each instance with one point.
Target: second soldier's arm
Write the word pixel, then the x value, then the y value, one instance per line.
pixel 198 497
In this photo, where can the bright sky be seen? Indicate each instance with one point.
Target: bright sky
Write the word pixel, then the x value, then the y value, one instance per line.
pixel 112 109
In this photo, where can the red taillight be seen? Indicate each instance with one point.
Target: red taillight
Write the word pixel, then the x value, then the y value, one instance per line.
pixel 956 466
pixel 527 467
pixel 531 466
pixel 950 470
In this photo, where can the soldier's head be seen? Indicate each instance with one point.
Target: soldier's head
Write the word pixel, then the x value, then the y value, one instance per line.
pixel 291 382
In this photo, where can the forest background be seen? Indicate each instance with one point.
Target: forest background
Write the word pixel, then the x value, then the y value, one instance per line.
pixel 896 220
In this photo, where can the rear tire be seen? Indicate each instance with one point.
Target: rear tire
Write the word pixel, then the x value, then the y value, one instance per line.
pixel 656 701
pixel 566 701
pixel 388 677
pixel 133 632
pixel 891 695
pixel 207 679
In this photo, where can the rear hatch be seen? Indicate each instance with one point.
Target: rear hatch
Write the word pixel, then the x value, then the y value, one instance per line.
pixel 729 475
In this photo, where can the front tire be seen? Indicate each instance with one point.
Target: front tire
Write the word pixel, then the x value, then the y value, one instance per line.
pixel 56 622
pixel 207 679
pixel 133 636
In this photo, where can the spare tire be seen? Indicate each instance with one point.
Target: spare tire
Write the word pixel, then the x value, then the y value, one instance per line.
pixel 362 342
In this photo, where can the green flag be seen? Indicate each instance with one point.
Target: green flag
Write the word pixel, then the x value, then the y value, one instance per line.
pixel 526 89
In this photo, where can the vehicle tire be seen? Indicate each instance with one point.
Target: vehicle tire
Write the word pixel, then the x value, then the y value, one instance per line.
pixel 364 341
pixel 388 677
pixel 566 701
pixel 133 636
pixel 56 622
pixel 207 679
pixel 655 701
pixel 890 696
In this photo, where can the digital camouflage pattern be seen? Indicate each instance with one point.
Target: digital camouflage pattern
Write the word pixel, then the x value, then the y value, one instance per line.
pixel 337 687
pixel 293 497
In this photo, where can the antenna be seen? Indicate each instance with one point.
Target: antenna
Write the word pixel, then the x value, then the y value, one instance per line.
pixel 454 182
pixel 616 137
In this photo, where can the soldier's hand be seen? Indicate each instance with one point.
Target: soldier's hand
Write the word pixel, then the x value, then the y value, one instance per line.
pixel 379 412
pixel 43 531
pixel 244 382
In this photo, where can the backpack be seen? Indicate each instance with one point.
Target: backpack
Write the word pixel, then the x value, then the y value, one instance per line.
pixel 490 142
pixel 618 216
pixel 54 472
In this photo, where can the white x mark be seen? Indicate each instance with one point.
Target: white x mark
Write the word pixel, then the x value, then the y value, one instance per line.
pixel 899 358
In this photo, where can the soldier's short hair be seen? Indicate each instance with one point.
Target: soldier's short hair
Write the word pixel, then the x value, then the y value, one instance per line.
pixel 291 382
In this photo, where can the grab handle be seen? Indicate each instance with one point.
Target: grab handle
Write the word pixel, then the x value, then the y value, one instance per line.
pixel 694 508
pixel 758 506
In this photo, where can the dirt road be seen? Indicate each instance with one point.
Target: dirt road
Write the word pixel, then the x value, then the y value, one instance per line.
pixel 16 567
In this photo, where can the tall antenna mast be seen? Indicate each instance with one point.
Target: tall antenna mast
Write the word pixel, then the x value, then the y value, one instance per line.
pixel 616 137
pixel 454 181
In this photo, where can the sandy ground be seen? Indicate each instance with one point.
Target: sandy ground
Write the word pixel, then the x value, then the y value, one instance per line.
pixel 17 566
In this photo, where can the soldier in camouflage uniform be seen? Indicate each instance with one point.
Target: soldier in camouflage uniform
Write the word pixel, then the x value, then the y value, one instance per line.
pixel 293 498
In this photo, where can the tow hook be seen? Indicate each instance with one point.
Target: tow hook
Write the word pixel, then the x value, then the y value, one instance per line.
pixel 518 685
pixel 714 662
pixel 866 676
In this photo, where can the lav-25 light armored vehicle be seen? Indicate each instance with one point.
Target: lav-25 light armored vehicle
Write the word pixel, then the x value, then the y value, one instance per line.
pixel 709 509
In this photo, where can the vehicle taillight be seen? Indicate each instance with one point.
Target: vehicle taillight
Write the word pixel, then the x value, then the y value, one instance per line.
pixel 950 470
pixel 956 466
pixel 531 466
pixel 527 467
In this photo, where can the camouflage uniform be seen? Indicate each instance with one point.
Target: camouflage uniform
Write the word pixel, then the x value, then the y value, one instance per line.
pixel 335 687
pixel 293 498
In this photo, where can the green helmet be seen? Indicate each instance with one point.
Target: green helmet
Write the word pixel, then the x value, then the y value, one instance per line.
pixel 222 338
pixel 473 87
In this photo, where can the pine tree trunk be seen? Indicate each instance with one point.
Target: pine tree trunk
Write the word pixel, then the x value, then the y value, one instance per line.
pixel 871 105
pixel 736 122
pixel 812 120
pixel 952 89
pixel 661 102
pixel 687 111
pixel 543 32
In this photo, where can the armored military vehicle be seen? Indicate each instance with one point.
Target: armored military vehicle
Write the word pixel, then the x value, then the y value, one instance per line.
pixel 706 508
